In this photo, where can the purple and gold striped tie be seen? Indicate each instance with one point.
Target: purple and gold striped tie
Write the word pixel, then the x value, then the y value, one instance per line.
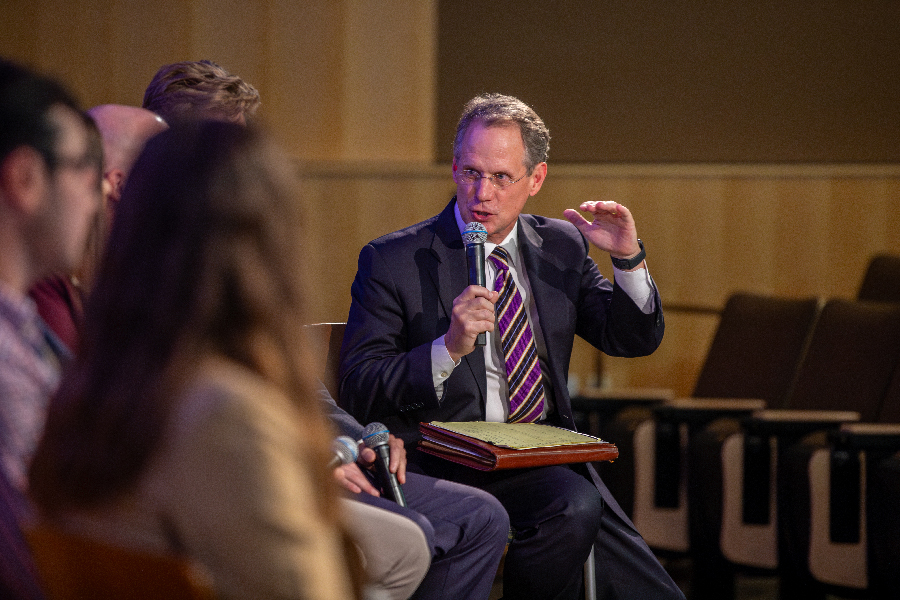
pixel 523 371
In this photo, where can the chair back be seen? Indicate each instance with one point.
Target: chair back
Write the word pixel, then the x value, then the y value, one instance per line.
pixel 73 567
pixel 881 283
pixel 757 348
pixel 852 357
pixel 325 340
pixel 890 406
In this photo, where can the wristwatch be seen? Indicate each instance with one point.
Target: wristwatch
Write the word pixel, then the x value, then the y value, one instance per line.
pixel 625 264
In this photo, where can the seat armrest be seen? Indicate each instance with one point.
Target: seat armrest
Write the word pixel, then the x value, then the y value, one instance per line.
pixel 788 422
pixel 636 394
pixel 614 399
pixel 704 410
pixel 867 436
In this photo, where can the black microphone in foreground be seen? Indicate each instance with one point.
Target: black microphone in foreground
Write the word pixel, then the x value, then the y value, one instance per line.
pixel 474 237
pixel 376 437
pixel 345 451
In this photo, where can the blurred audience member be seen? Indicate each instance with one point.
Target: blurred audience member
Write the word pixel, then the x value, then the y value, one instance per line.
pixel 123 130
pixel 466 528
pixel 187 422
pixel 49 193
pixel 200 90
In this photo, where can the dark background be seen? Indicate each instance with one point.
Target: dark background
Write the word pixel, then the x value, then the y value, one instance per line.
pixel 678 81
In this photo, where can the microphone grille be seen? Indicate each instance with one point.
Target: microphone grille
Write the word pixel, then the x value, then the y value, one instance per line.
pixel 475 233
pixel 375 434
pixel 345 448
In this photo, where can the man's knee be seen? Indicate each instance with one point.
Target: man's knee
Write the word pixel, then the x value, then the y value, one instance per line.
pixel 493 516
pixel 488 519
pixel 584 505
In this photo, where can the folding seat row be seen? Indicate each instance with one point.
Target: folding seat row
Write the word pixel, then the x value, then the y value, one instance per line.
pixel 842 500
pixel 767 353
pixel 844 377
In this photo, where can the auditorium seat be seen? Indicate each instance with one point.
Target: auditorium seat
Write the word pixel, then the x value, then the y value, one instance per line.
pixel 884 533
pixel 72 567
pixel 757 335
pixel 854 350
pixel 881 281
pixel 828 492
pixel 325 342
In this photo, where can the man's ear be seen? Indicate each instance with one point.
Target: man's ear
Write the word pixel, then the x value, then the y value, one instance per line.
pixel 116 180
pixel 23 179
pixel 537 178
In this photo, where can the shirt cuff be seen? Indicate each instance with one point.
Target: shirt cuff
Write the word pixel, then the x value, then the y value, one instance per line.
pixel 441 364
pixel 639 286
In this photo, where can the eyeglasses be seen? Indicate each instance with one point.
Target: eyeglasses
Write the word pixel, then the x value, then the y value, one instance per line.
pixel 500 180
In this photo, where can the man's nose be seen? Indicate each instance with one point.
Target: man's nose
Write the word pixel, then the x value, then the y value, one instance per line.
pixel 484 188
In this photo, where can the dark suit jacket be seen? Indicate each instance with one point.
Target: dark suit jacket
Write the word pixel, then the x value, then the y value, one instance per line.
pixel 402 299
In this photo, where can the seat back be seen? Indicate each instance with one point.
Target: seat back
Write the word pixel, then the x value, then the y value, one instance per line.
pixel 72 567
pixel 757 348
pixel 325 340
pixel 881 283
pixel 854 351
pixel 890 406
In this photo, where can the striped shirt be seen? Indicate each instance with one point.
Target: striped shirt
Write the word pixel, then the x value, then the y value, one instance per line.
pixel 29 373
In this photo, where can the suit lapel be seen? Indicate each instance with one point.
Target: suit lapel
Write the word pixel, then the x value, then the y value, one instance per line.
pixel 451 277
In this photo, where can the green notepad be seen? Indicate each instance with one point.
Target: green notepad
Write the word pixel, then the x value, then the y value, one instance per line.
pixel 518 436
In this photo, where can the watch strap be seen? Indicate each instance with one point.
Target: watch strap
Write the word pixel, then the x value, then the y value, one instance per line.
pixel 626 264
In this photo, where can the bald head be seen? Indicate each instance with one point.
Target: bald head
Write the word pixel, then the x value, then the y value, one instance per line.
pixel 125 130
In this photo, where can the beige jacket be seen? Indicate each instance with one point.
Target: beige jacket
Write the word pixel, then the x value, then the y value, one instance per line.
pixel 230 490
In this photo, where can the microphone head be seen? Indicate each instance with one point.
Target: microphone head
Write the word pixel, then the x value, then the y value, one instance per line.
pixel 475 233
pixel 375 434
pixel 345 448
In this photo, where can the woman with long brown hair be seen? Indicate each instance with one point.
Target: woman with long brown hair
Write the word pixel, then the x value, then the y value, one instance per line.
pixel 186 423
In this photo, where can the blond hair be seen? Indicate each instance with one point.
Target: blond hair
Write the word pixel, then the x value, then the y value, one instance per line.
pixel 200 90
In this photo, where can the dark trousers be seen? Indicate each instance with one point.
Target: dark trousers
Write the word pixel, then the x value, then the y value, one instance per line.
pixel 558 514
pixel 467 529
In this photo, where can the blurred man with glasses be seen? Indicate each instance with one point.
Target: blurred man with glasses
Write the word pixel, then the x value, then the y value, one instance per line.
pixel 50 163
pixel 409 354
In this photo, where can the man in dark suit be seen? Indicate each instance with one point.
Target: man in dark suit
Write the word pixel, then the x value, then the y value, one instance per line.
pixel 409 353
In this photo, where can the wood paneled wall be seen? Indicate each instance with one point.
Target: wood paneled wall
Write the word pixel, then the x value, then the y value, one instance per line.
pixel 339 79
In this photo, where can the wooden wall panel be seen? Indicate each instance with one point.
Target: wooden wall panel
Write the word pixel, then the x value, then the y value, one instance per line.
pixel 683 81
pixel 302 97
pixel 339 79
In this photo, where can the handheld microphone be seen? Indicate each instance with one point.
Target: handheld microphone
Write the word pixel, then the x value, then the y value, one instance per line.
pixel 376 437
pixel 345 451
pixel 474 237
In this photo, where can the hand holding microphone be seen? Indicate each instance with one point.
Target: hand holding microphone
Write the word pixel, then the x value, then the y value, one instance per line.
pixel 377 437
pixel 474 237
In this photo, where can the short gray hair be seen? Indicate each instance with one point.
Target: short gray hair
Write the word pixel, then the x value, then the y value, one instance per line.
pixel 497 109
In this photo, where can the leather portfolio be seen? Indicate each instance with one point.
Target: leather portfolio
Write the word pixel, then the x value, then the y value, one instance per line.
pixel 489 446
